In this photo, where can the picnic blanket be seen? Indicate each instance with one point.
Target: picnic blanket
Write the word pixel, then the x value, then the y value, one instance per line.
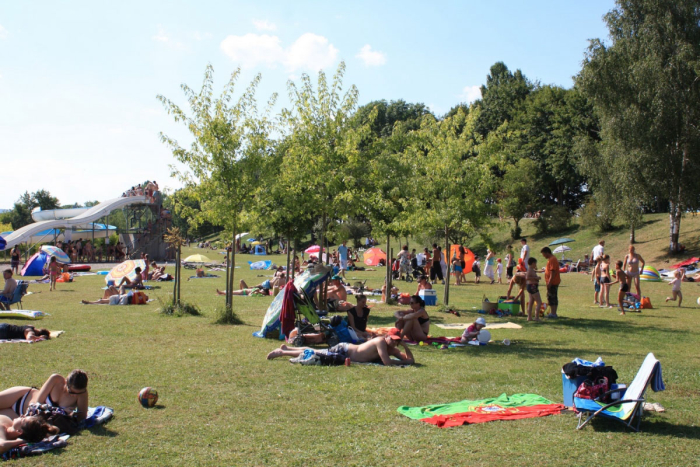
pixel 54 334
pixel 465 412
pixel 461 326
pixel 208 276
pixel 96 416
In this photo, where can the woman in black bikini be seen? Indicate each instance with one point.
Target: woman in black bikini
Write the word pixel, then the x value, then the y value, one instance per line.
pixel 15 256
pixel 414 323
pixel 70 394
pixel 30 333
pixel 357 317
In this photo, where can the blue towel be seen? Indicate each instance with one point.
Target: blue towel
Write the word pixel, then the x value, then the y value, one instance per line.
pixel 97 416
pixel 657 382
pixel 582 362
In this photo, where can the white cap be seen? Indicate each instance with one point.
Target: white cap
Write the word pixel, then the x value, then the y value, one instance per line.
pixel 481 321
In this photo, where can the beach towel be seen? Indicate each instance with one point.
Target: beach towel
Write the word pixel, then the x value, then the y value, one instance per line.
pixel 96 416
pixel 22 314
pixel 461 326
pixel 54 335
pixel 465 412
pixel 208 276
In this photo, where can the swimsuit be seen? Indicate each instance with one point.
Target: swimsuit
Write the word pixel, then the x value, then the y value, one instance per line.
pixel 360 321
pixel 532 289
pixel 422 321
pixel 625 287
pixel 340 350
pixel 19 407
pixel 605 280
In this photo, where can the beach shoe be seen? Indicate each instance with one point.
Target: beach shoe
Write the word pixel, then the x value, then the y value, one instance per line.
pixel 551 316
pixel 312 360
pixel 301 358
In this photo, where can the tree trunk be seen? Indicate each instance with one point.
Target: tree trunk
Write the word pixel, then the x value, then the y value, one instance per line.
pixel 322 291
pixel 446 297
pixel 179 272
pixel 296 250
pixel 677 206
pixel 229 288
pixel 228 263
pixel 632 240
pixel 288 255
pixel 177 279
pixel 387 280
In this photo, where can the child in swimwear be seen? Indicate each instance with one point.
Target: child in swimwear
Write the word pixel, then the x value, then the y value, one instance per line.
pixel 595 278
pixel 499 271
pixel 54 272
pixel 605 282
pixel 532 280
pixel 621 278
pixel 676 286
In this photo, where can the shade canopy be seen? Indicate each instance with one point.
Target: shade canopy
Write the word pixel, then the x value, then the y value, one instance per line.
pixel 561 241
pixel 197 259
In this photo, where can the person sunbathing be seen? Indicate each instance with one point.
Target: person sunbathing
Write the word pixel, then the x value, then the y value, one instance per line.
pixel 243 289
pixel 29 333
pixel 414 323
pixel 18 431
pixel 380 348
pixel 127 283
pixel 69 393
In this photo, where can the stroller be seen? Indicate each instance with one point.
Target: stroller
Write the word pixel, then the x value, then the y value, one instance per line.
pixel 397 271
pixel 308 322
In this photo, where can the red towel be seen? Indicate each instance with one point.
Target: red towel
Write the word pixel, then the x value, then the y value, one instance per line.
pixel 288 314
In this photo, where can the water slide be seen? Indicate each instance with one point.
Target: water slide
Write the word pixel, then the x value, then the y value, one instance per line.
pixel 57 219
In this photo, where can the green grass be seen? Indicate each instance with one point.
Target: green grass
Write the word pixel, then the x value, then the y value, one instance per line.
pixel 222 403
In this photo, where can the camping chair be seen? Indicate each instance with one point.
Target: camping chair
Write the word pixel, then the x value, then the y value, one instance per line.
pixel 631 404
pixel 307 320
pixel 19 292
pixel 576 267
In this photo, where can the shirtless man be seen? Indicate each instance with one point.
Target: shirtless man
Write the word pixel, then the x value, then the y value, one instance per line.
pixel 380 348
pixel 127 283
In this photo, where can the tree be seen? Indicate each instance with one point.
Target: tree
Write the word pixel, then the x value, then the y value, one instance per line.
pixel 645 86
pixel 452 187
pixel 319 150
pixel 224 161
pixel 501 97
pixel 517 195
pixel 21 213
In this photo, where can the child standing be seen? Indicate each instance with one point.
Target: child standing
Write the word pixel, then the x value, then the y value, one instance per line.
pixel 595 277
pixel 621 277
pixel 605 282
pixel 499 271
pixel 54 271
pixel 676 286
pixel 457 268
pixel 476 270
pixel 532 280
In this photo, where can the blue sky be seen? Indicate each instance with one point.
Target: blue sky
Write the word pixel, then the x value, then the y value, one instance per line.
pixel 78 80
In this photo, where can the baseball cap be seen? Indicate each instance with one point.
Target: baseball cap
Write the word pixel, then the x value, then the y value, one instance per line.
pixel 396 337
pixel 481 321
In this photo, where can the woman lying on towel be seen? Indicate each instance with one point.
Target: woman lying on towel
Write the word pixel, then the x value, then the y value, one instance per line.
pixel 70 394
pixel 18 431
pixel 29 333
pixel 414 323
pixel 243 289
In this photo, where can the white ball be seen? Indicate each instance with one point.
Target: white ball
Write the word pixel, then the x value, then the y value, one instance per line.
pixel 698 300
pixel 484 336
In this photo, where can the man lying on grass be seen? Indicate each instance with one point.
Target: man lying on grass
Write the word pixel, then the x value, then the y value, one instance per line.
pixel 380 348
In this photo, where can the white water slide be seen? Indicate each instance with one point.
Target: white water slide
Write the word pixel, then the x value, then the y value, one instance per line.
pixel 83 217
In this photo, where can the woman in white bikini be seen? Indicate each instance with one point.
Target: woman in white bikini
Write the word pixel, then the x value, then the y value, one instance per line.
pixel 68 393
pixel 633 265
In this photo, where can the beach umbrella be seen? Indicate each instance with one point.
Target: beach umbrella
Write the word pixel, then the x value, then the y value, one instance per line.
pixel 257 243
pixel 313 249
pixel 125 269
pixel 241 235
pixel 3 243
pixel 561 241
pixel 197 259
pixel 312 278
pixel 561 249
pixel 372 256
pixel 60 255
pixel 252 239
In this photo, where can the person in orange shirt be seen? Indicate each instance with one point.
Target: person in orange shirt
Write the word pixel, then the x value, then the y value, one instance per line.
pixel 552 280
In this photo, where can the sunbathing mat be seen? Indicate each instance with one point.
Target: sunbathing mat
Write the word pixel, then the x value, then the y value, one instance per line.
pixel 22 314
pixel 507 325
pixel 465 412
pixel 96 416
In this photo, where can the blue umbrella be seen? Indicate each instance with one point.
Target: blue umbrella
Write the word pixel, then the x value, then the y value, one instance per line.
pixel 252 239
pixel 3 243
pixel 561 241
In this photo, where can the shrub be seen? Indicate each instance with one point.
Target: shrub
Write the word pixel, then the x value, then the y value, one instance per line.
pixel 553 219
pixel 516 232
pixel 593 217
pixel 225 315
pixel 183 308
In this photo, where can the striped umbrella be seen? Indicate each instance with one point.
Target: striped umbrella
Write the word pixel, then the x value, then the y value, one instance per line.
pixel 125 269
pixel 60 255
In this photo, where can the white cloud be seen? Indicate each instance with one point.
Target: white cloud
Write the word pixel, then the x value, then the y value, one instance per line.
pixel 470 94
pixel 199 36
pixel 309 51
pixel 164 38
pixel 371 57
pixel 264 25
pixel 3 32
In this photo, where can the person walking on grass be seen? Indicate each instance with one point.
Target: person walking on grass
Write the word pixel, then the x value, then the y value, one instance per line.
pixel 552 280
pixel 621 278
pixel 499 271
pixel 54 272
pixel 678 277
pixel 488 269
pixel 525 252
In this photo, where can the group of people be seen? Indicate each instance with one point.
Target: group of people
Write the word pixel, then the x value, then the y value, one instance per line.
pixel 70 394
pixel 627 273
pixel 149 189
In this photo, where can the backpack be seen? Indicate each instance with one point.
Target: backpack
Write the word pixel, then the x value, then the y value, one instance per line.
pixel 592 389
pixel 646 303
pixel 139 298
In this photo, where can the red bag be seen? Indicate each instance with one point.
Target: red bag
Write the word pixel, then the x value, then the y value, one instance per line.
pixel 139 298
pixel 590 390
pixel 646 303
pixel 405 298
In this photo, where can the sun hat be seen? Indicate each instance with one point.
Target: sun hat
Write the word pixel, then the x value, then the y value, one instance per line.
pixel 481 321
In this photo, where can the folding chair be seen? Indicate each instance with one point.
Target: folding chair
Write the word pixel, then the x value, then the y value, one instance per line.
pixel 631 404
pixel 576 267
pixel 19 292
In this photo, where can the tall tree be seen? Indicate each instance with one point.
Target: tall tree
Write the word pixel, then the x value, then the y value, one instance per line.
pixel 645 86
pixel 501 97
pixel 225 158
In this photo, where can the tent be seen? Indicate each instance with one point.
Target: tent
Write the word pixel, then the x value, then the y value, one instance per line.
pixel 307 281
pixel 260 250
pixel 468 258
pixel 373 255
pixel 35 265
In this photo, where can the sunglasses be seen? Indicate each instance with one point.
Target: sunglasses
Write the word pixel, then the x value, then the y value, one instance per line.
pixel 70 391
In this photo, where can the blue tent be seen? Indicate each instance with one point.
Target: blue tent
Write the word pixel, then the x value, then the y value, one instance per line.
pixel 35 265
pixel 260 250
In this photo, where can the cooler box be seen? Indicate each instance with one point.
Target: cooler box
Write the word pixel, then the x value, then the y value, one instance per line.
pixel 429 295
pixel 513 307
pixel 569 387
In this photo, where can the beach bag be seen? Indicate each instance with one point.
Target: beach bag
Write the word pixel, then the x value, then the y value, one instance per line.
pixel 592 390
pixel 139 298
pixel 646 303
pixel 405 299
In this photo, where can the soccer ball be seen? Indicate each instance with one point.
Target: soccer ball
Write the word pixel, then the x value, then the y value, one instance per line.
pixel 698 300
pixel 484 336
pixel 148 397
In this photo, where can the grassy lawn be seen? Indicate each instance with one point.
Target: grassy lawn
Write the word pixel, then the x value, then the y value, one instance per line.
pixel 222 403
